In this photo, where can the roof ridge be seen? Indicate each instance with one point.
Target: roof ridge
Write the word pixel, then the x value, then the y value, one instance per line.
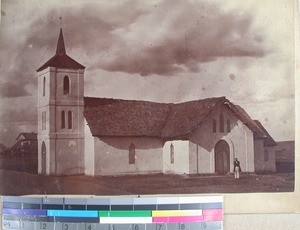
pixel 164 103
pixel 204 99
pixel 128 100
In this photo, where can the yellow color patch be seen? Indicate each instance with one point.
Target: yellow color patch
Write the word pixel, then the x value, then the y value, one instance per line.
pixel 169 213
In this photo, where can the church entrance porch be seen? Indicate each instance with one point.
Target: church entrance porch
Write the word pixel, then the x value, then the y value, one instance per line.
pixel 222 157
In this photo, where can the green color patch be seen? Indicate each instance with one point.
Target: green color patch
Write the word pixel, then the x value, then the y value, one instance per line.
pixel 125 214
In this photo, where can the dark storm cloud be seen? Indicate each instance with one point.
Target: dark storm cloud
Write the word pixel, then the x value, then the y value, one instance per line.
pixel 172 36
pixel 133 37
pixel 180 35
pixel 86 31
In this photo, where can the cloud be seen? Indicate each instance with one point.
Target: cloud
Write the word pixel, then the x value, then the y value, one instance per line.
pixel 138 38
pixel 87 33
pixel 131 37
pixel 13 90
pixel 177 36
pixel 198 43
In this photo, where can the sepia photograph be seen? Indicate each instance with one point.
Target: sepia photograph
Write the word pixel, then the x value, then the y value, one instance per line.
pixel 147 97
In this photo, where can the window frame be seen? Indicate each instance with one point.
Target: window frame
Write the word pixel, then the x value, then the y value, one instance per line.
pixel 66 85
pixel 62 119
pixel 172 153
pixel 214 126
pixel 228 124
pixel 222 125
pixel 44 86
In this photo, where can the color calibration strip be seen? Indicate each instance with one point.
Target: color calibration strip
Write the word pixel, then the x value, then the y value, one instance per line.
pixel 143 213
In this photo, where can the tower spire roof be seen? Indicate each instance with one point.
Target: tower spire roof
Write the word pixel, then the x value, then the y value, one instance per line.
pixel 61 59
pixel 60 48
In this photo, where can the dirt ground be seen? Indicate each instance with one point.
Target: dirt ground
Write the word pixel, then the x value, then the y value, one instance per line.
pixel 21 183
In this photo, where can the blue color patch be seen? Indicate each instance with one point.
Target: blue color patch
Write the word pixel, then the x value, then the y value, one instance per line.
pixel 32 212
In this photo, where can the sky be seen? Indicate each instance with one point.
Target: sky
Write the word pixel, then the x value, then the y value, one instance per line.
pixel 160 50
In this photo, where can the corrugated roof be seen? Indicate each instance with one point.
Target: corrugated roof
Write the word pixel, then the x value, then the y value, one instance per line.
pixel 61 59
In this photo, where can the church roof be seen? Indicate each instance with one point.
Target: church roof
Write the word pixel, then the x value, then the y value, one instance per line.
pixel 269 141
pixel 61 59
pixel 247 120
pixel 112 117
pixel 185 117
pixel 115 117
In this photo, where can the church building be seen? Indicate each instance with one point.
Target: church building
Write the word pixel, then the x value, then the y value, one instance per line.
pixel 101 136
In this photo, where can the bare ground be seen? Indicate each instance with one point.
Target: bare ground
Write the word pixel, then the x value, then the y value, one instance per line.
pixel 21 183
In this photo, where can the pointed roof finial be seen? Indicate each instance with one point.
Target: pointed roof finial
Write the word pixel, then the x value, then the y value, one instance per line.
pixel 60 18
pixel 60 49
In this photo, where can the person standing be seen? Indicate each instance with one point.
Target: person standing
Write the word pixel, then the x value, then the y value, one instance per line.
pixel 236 168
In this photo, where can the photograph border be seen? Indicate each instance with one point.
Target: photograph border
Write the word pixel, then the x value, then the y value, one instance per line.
pixel 245 203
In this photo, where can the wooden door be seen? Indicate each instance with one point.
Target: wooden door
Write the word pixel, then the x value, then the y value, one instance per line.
pixel 222 157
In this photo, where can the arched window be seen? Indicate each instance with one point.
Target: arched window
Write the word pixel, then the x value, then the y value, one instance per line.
pixel 172 153
pixel 66 85
pixel 131 154
pixel 221 123
pixel 63 120
pixel 44 86
pixel 70 121
pixel 214 126
pixel 228 126
pixel 266 155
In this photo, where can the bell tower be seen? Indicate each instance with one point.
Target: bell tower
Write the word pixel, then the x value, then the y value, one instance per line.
pixel 60 114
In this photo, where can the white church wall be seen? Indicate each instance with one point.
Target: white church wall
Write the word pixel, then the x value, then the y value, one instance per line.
pixel 201 161
pixel 180 163
pixel 203 141
pixel 112 155
pixel 69 156
pixel 89 151
pixel 244 151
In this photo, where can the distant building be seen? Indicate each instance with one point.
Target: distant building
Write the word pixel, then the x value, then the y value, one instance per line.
pixel 23 155
pixel 285 156
pixel 99 136
pixel 27 142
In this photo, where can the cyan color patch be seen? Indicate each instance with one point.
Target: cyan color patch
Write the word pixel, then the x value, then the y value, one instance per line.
pixel 72 213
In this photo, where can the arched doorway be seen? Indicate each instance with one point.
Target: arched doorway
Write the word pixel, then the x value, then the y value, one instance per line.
pixel 43 153
pixel 222 157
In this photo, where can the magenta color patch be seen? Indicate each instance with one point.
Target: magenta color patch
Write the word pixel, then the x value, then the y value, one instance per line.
pixel 213 214
pixel 177 219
